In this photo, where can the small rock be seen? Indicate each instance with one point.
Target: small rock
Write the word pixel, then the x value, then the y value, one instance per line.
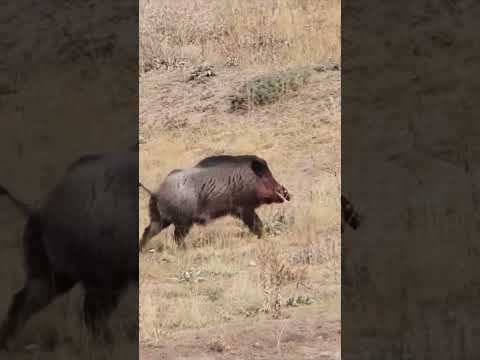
pixel 252 263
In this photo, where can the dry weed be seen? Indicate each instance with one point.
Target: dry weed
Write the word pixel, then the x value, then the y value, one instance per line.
pixel 275 273
pixel 201 73
pixel 218 345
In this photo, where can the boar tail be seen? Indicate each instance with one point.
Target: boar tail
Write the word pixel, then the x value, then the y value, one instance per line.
pixel 145 188
pixel 23 207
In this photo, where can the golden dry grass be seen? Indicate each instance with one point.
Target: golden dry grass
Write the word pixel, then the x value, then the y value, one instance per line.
pixel 239 32
pixel 225 261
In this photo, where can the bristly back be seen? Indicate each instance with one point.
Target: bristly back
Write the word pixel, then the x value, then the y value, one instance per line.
pixel 228 160
pixel 83 160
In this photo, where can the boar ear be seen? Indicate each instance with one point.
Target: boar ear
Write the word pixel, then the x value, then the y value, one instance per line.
pixel 259 168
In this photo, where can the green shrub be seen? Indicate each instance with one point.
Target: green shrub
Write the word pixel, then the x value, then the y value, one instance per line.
pixel 269 88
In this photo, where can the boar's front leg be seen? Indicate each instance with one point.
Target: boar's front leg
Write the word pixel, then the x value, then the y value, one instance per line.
pixel 251 219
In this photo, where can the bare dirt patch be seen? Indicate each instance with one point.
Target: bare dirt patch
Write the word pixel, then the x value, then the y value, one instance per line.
pixel 302 336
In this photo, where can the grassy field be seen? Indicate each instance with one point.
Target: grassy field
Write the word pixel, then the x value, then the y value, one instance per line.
pixel 248 33
pixel 229 292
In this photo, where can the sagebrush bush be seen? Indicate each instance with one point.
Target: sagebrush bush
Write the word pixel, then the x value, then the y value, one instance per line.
pixel 275 273
pixel 269 88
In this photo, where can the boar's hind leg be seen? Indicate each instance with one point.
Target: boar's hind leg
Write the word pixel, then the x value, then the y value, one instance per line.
pixel 157 223
pixel 181 231
pixel 251 219
pixel 151 230
pixel 37 293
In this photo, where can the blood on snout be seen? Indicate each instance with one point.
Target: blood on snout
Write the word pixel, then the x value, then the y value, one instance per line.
pixel 266 191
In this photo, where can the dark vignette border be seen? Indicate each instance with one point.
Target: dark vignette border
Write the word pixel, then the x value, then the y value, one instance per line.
pixel 410 166
pixel 68 88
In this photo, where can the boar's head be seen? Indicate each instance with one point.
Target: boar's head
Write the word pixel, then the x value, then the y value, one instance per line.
pixel 268 190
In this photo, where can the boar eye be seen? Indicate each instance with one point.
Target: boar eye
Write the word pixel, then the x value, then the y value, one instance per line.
pixel 258 168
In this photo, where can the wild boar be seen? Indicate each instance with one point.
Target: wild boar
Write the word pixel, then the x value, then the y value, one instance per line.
pixel 215 187
pixel 84 232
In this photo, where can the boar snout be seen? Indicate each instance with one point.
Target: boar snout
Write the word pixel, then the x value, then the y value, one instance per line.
pixel 283 193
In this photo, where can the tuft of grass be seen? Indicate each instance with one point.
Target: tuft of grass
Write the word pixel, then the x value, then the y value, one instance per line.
pixel 218 345
pixel 212 294
pixel 299 300
pixel 278 223
pixel 268 89
pixel 275 273
pixel 202 73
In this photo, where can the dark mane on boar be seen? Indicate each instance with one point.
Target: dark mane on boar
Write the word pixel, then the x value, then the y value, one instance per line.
pixel 228 160
pixel 83 160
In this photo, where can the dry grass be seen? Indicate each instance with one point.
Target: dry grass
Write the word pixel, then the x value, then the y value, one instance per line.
pixel 261 52
pixel 238 32
pixel 224 261
pixel 276 273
